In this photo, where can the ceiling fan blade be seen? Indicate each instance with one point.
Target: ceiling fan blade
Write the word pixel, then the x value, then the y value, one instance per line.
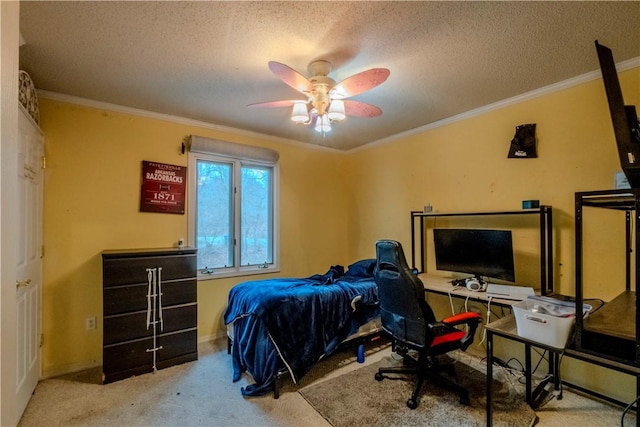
pixel 361 109
pixel 274 104
pixel 291 77
pixel 359 83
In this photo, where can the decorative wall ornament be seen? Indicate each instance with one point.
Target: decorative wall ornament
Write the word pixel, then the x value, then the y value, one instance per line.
pixel 28 96
pixel 523 144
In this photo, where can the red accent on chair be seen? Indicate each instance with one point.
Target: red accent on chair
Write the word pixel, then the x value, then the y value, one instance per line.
pixel 449 338
pixel 462 317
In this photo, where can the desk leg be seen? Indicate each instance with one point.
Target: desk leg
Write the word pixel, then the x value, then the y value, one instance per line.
pixel 555 371
pixel 490 376
pixel 527 373
pixel 637 403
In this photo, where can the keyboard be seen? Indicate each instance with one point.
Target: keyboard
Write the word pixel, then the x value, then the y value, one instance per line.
pixel 514 293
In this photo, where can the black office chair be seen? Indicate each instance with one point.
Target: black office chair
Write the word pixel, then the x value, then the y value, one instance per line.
pixel 407 317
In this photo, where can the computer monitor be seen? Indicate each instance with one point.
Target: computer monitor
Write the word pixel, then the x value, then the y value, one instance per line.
pixel 487 253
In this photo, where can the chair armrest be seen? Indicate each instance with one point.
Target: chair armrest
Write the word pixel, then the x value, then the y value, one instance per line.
pixel 469 318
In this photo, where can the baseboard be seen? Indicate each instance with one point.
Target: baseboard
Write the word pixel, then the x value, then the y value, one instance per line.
pixel 68 369
pixel 57 371
pixel 211 338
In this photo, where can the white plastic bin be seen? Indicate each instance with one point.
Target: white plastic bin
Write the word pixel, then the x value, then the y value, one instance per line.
pixel 542 328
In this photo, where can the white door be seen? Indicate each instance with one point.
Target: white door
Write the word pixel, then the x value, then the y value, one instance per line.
pixel 29 258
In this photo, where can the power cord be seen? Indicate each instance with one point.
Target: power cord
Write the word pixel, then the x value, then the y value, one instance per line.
pixel 513 359
pixel 456 286
pixel 593 310
pixel 511 372
pixel 484 330
pixel 542 357
pixel 626 409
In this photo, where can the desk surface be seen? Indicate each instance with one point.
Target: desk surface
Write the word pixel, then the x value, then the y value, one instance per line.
pixel 615 318
pixel 506 327
pixel 442 285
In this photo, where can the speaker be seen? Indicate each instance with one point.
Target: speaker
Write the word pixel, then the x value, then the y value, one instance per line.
pixel 474 284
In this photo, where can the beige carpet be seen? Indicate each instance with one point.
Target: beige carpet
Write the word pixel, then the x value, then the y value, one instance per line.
pixel 356 398
pixel 201 393
pixel 198 393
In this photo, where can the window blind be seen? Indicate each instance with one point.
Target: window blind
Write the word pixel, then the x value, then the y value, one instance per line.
pixel 200 144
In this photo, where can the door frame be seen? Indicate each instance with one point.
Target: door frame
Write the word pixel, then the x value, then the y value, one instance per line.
pixel 9 66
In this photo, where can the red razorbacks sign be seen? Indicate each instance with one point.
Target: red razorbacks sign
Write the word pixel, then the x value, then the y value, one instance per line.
pixel 163 188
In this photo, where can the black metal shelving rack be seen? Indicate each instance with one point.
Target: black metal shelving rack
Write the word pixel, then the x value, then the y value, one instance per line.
pixel 627 201
pixel 544 213
pixel 594 341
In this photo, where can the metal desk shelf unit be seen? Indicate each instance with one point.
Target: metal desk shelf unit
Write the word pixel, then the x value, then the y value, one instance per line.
pixel 613 331
pixel 507 329
pixel 545 217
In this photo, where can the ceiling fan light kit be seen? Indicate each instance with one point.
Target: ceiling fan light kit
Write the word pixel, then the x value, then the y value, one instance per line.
pixel 336 110
pixel 300 113
pixel 323 124
pixel 326 101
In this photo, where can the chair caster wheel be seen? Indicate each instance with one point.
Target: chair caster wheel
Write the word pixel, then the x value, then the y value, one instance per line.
pixel 378 376
pixel 412 404
pixel 464 399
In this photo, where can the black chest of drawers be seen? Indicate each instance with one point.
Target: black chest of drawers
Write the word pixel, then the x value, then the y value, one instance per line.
pixel 150 310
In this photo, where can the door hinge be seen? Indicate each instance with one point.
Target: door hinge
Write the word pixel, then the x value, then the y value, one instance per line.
pixel 44 162
pixel 41 340
pixel 42 251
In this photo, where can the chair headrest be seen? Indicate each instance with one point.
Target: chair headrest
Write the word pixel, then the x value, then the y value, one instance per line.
pixel 390 255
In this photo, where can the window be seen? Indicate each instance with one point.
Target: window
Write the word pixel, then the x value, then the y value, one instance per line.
pixel 232 213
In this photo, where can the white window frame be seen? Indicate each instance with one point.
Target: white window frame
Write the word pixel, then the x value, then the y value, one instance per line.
pixel 237 162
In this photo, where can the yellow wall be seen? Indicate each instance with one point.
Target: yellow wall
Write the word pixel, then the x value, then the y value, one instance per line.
pixel 463 166
pixel 92 191
pixel 333 205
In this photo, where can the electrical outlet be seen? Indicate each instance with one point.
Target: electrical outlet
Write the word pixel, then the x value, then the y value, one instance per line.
pixel 90 323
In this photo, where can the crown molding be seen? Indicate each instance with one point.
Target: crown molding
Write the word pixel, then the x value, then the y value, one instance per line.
pixel 556 87
pixel 70 99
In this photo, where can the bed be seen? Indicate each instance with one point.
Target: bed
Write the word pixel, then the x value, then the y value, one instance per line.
pixel 288 324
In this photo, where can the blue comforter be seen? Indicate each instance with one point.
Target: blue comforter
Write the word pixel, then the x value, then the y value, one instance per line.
pixel 296 322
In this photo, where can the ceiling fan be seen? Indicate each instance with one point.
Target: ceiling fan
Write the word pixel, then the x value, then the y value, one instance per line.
pixel 326 101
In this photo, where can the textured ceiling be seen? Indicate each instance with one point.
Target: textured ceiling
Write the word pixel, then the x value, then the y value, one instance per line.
pixel 208 60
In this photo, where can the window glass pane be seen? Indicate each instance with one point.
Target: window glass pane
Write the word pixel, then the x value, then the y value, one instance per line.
pixel 256 213
pixel 214 226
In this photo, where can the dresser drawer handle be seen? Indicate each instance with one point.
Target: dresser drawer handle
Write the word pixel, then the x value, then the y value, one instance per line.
pixel 159 291
pixel 150 274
